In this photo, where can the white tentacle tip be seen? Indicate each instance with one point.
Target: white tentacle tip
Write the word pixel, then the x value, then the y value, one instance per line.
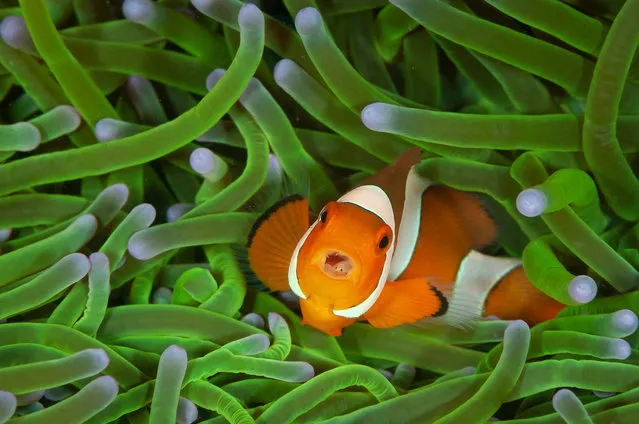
pixel 276 321
pixel 119 191
pixel 8 405
pixel 531 202
pixel 250 17
pixel 10 27
pixel 376 116
pixel 386 373
pixel 262 343
pixel 186 412
pixel 162 296
pixel 27 399
pixel 304 372
pixel 202 160
pixel 290 298
pixel 99 359
pixel 144 214
pixel 139 11
pixel 203 5
pixel 7 397
pixel 582 289
pixel 107 385
pixel 283 70
pixel 625 321
pixel 176 211
pixel 87 222
pixel 253 85
pixel 5 234
pixel 99 260
pixel 307 20
pixel 74 117
pixel 310 371
pixel 214 77
pixel 603 395
pixel 253 319
pixel 139 248
pixel 410 369
pixel 562 399
pixel 136 83
pixel 29 134
pixel 175 354
pixel 620 349
pixel 516 327
pixel 174 358
pixel 106 129
pixel 468 370
pixel 14 32
pixel 78 264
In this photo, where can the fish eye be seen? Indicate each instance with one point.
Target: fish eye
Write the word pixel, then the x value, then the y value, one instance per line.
pixel 323 216
pixel 383 242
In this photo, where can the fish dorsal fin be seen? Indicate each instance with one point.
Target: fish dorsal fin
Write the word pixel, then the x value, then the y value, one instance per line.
pixel 392 180
pixel 273 240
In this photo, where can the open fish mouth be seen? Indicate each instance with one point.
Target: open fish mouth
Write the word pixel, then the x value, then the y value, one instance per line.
pixel 337 265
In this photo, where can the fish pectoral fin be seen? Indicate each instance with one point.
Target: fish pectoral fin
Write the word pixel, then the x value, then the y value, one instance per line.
pixel 273 239
pixel 406 301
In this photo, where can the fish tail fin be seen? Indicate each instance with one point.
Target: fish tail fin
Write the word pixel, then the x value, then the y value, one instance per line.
pixel 515 297
pixel 273 238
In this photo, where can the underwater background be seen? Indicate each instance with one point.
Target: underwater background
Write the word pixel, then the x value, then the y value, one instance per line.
pixel 139 141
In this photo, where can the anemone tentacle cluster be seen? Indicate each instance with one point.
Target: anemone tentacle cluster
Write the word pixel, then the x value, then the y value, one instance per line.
pixel 140 138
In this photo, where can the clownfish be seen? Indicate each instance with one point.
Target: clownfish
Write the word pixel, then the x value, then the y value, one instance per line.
pixel 396 249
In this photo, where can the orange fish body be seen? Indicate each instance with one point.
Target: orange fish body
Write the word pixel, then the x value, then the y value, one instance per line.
pixel 394 250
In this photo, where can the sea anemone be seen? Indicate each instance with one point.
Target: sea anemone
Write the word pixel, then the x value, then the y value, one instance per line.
pixel 139 140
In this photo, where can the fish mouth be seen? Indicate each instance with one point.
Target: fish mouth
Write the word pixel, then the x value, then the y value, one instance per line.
pixel 337 265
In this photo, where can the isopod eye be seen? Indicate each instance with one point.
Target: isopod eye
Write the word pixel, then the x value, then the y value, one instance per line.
pixel 323 216
pixel 383 242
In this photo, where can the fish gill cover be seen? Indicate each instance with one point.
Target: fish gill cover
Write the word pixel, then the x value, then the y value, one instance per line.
pixel 134 133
